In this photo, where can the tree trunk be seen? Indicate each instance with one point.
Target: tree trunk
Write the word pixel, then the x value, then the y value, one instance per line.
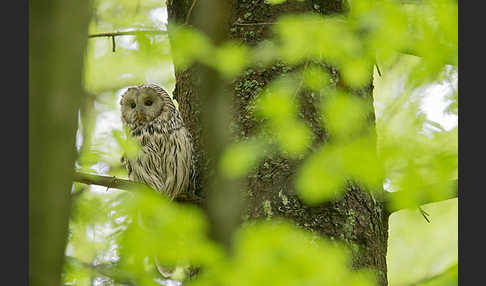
pixel 356 218
pixel 57 41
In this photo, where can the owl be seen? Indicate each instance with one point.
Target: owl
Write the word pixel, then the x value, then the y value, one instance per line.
pixel 165 157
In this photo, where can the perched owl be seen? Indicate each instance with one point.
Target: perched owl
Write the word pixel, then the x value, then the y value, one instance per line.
pixel 164 161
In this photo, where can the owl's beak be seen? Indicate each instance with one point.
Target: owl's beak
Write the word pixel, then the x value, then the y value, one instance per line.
pixel 139 116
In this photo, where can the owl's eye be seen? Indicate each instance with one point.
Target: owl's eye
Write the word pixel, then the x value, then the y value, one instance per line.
pixel 148 102
pixel 133 104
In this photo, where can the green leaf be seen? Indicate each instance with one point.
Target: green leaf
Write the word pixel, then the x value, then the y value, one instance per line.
pixel 239 158
pixel 189 45
pixel 274 2
pixel 345 115
pixel 231 58
pixel 278 253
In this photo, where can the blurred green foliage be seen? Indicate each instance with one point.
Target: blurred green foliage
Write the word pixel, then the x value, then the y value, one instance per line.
pixel 240 158
pixel 278 104
pixel 175 234
pixel 417 158
pixel 419 251
pixel 277 253
pixel 447 278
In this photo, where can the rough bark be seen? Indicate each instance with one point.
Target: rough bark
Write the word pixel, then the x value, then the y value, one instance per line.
pixel 57 41
pixel 356 218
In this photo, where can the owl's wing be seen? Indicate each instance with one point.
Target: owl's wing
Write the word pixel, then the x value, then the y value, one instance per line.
pixel 126 164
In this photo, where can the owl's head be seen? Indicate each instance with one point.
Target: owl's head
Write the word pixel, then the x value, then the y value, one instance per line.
pixel 145 103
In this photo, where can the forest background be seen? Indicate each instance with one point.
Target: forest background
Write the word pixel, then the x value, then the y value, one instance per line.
pixel 411 47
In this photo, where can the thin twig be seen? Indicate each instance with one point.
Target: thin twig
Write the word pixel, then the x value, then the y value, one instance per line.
pixel 113 43
pixel 378 69
pixel 424 214
pixel 190 11
pixel 128 33
pixel 254 24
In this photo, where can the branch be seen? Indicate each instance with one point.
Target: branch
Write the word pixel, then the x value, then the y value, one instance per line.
pixel 122 184
pixel 128 33
pixel 164 32
pixel 109 182
pixel 389 197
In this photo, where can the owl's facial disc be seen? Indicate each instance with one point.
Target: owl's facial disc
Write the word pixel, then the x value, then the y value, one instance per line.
pixel 141 106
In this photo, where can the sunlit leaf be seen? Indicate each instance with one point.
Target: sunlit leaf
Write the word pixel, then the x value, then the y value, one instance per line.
pixel 274 2
pixel 188 45
pixel 321 177
pixel 345 115
pixel 231 58
pixel 239 158
pixel 315 78
pixel 356 72
pixel 294 137
pixel 128 144
pixel 277 101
